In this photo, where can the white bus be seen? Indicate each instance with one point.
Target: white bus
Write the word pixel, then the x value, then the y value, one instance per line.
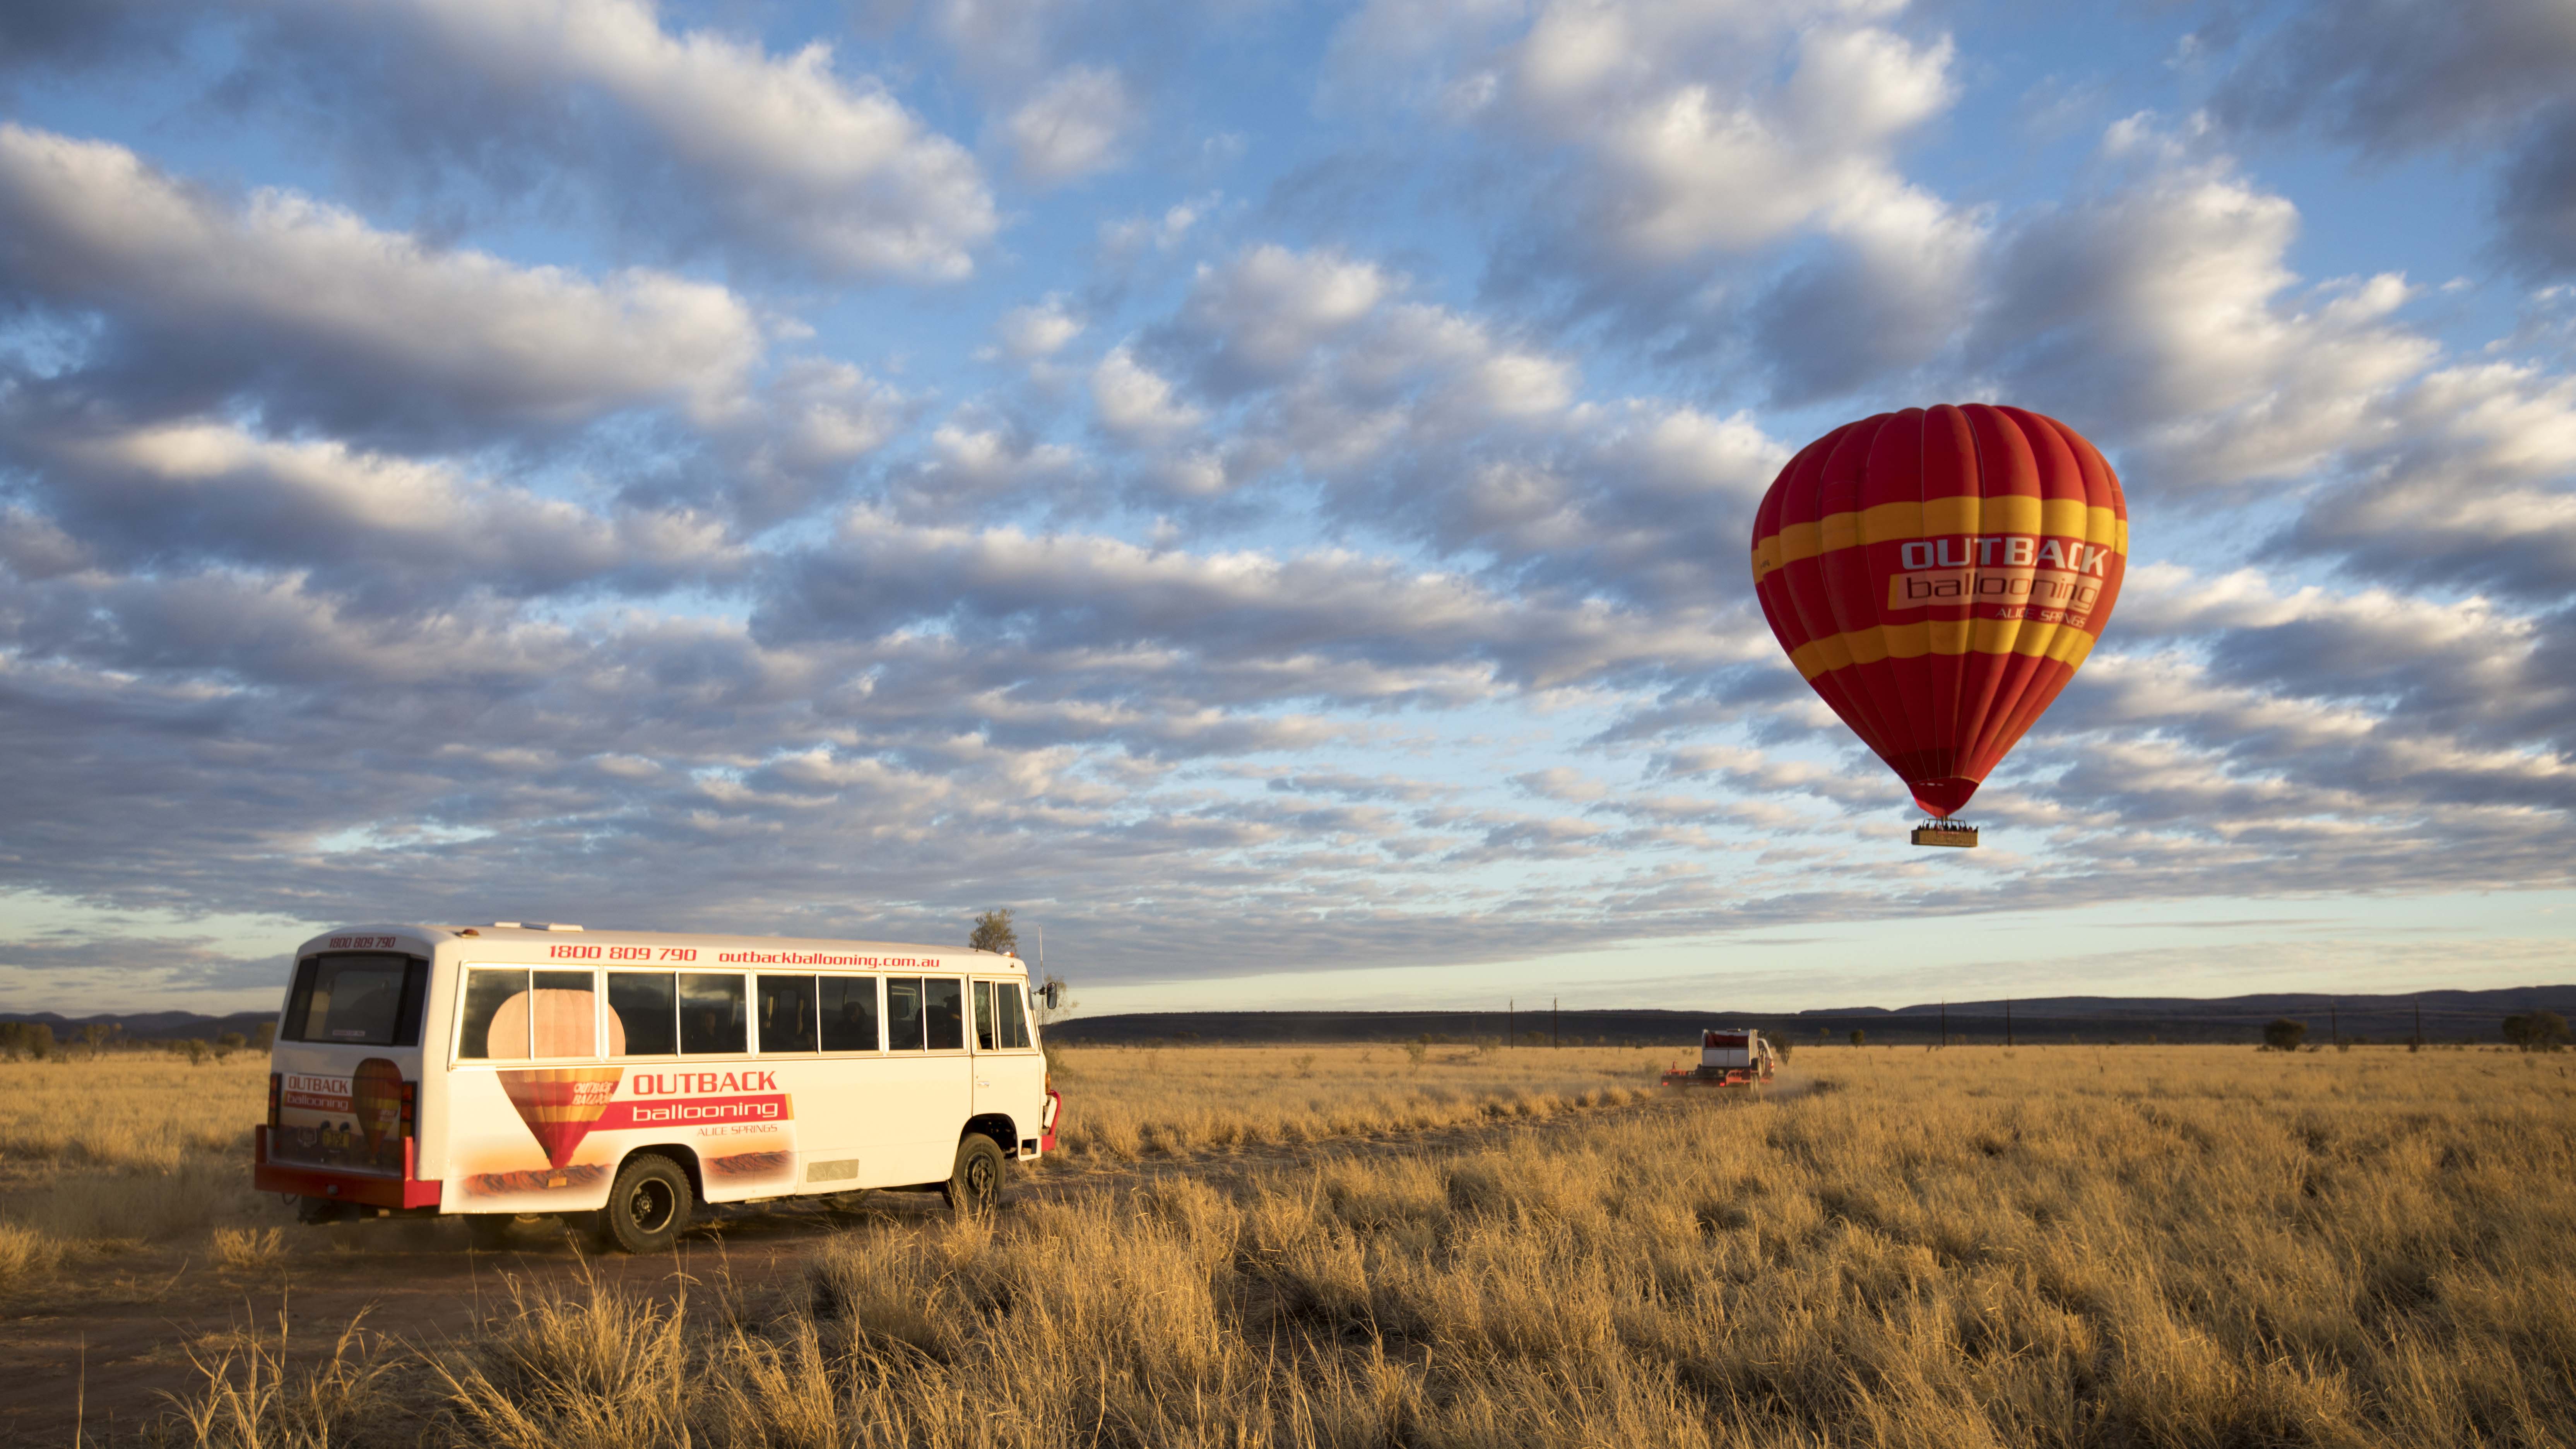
pixel 514 1068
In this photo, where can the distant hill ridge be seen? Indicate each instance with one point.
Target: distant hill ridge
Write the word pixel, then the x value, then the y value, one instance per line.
pixel 150 1025
pixel 2448 1016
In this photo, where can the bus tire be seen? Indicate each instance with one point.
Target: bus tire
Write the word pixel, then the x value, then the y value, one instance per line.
pixel 976 1184
pixel 648 1207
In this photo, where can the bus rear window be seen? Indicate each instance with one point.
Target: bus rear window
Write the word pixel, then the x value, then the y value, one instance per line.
pixel 354 998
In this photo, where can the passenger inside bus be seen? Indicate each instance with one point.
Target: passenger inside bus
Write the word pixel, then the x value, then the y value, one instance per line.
pixel 787 1014
pixel 849 1013
pixel 903 1013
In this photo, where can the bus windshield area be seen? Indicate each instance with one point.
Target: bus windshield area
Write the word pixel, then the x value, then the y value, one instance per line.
pixel 357 999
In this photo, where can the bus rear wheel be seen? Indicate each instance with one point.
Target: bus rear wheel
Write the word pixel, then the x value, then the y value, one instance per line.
pixel 648 1207
pixel 976 1184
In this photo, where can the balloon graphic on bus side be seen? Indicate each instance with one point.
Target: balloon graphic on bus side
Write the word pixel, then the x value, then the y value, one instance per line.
pixel 375 1091
pixel 561 1104
pixel 1937 576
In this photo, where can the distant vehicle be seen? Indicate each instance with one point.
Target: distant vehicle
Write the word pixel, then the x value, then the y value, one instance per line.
pixel 625 1076
pixel 1728 1057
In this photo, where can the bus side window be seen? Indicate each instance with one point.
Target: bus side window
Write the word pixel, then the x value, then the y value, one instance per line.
pixel 943 1013
pixel 787 1014
pixel 642 1014
pixel 849 1013
pixel 903 1013
pixel 1015 1018
pixel 563 1013
pixel 984 1017
pixel 712 1014
pixel 487 991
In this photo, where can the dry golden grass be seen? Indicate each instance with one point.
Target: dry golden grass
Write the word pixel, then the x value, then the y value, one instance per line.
pixel 1124 1103
pixel 2057 1246
pixel 103 1156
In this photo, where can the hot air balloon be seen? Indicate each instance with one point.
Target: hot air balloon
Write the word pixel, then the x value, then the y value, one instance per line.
pixel 375 1091
pixel 1937 575
pixel 559 1104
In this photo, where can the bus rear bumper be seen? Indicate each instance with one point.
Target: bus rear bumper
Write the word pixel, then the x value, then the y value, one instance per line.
pixel 359 1189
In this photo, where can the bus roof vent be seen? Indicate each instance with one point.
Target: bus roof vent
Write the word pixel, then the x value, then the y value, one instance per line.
pixel 505 925
pixel 551 926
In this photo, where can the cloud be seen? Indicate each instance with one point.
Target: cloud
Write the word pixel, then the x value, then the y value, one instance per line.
pixel 2392 78
pixel 303 311
pixel 2536 204
pixel 2164 315
pixel 1669 156
pixel 398 533
pixel 1264 312
pixel 1256 627
pixel 681 140
pixel 1041 329
pixel 81 33
pixel 1076 124
pixel 1893 289
pixel 1134 403
pixel 977 464
pixel 2473 487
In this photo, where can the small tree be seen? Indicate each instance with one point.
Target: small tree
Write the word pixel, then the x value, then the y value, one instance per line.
pixel 1859 1036
pixel 32 1038
pixel 265 1037
pixel 993 933
pixel 95 1034
pixel 2281 1034
pixel 2536 1031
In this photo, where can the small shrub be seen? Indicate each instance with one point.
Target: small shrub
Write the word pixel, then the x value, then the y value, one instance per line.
pixel 2536 1031
pixel 1859 1037
pixel 2281 1034
pixel 245 1249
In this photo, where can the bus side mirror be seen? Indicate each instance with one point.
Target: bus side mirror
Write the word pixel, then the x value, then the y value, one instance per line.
pixel 1051 993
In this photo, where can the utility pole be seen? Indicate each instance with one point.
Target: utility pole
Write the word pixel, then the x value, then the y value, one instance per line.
pixel 1510 1005
pixel 1551 1023
pixel 2007 1021
pixel 1945 1021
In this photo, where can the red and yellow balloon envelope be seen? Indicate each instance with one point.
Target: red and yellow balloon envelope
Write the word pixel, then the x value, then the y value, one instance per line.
pixel 1937 575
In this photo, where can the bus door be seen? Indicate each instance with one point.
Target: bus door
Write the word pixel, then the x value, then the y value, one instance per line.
pixel 912 1124
pixel 1010 1079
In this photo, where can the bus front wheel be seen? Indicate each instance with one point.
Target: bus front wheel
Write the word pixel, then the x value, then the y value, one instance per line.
pixel 976 1184
pixel 648 1207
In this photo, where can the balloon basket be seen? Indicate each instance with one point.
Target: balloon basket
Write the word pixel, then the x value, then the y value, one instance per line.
pixel 1946 832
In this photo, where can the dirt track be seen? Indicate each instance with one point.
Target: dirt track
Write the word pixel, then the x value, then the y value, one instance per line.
pixel 100 1358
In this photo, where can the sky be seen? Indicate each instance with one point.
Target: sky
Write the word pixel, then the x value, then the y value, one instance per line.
pixel 1263 490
